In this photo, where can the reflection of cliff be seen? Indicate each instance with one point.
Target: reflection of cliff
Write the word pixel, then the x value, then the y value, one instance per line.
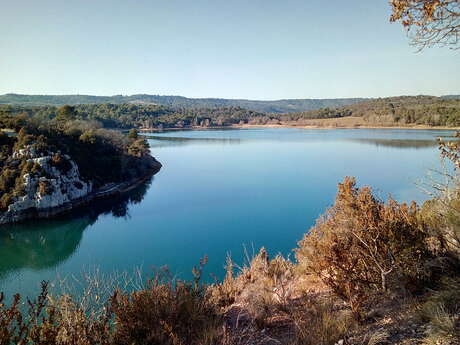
pixel 45 244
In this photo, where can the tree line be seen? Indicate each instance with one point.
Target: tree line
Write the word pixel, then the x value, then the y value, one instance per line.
pixel 398 111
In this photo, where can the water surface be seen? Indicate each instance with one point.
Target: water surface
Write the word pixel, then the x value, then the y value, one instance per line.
pixel 217 191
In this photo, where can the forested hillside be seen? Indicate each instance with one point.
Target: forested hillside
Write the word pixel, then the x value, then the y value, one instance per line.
pixel 404 110
pixel 278 106
pixel 143 115
pixel 393 111
pixel 47 163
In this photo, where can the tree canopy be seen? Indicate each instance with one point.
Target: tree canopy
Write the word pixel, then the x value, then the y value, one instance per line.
pixel 429 22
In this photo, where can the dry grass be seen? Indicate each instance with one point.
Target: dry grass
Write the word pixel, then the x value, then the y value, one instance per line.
pixel 320 321
pixel 270 303
pixel 441 310
pixel 341 122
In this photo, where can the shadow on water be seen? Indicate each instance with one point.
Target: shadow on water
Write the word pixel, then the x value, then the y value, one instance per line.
pixel 181 141
pixel 398 143
pixel 47 243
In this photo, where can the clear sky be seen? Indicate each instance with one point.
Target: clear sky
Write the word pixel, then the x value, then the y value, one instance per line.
pixel 256 49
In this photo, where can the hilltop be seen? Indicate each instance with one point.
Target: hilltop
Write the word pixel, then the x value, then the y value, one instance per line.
pixel 275 106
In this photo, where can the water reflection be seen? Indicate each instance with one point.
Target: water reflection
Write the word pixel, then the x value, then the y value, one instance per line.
pixel 398 143
pixel 186 139
pixel 167 141
pixel 213 196
pixel 27 246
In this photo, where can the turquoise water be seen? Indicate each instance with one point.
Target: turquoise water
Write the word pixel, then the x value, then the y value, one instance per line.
pixel 217 191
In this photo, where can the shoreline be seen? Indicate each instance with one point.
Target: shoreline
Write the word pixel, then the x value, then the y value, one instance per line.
pixel 249 126
pixel 101 193
pixel 415 127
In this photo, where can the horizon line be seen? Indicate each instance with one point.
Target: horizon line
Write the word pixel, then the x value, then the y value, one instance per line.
pixel 223 98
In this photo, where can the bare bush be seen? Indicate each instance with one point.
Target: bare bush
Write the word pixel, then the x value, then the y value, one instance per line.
pixel 166 312
pixel 362 245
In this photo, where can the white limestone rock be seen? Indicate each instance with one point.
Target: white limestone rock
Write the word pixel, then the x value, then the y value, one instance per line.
pixel 62 187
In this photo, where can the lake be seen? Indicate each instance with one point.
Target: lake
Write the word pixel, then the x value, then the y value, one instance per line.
pixel 218 192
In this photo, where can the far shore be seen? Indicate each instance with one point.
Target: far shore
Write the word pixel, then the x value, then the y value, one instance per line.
pixel 322 125
pixel 423 127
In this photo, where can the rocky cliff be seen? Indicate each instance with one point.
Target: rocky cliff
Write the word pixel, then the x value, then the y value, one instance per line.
pixel 56 186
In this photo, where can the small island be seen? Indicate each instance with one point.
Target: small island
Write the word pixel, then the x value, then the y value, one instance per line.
pixel 51 166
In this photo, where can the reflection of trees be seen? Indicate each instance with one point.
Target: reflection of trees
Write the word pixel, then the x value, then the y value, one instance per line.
pixel 117 206
pixel 39 246
pixel 47 243
pixel 161 141
pixel 399 143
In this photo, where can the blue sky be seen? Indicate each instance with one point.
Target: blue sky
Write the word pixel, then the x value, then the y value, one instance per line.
pixel 256 49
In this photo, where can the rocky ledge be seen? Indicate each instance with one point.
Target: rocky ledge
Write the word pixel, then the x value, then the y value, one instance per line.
pixel 59 189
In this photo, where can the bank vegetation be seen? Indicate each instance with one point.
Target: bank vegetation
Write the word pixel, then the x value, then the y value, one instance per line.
pixel 369 272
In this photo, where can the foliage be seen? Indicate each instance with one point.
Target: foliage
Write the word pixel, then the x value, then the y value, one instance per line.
pixel 436 22
pixel 59 323
pixel 393 111
pixel 419 110
pixel 165 312
pixel 133 134
pixel 178 313
pixel 66 113
pixel 442 212
pixel 178 102
pixel 102 156
pixel 363 245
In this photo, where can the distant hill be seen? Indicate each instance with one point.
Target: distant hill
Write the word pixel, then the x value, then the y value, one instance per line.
pixel 402 110
pixel 391 111
pixel 451 97
pixel 278 106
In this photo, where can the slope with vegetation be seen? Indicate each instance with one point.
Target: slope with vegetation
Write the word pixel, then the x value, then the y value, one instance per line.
pixel 48 165
pixel 143 116
pixel 394 111
pixel 278 106
pixel 369 272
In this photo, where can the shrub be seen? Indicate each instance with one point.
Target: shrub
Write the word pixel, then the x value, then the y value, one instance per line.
pixel 60 162
pixel 8 179
pixel 362 245
pixel 133 134
pixel 172 312
pixel 138 147
pixel 443 216
pixel 45 188
pixel 60 322
pixel 262 287
pixel 5 201
pixel 442 212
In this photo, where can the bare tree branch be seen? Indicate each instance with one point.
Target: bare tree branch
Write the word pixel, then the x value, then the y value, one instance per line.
pixel 429 22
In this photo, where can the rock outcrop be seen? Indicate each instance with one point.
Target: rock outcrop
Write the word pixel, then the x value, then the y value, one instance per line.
pixel 58 186
pixel 53 188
